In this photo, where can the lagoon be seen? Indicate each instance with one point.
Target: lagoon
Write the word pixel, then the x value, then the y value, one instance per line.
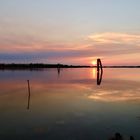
pixel 69 104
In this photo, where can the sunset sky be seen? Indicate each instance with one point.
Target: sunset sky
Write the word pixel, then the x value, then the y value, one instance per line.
pixel 70 31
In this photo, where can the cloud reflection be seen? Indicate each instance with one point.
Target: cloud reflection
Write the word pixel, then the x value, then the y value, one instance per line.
pixel 115 95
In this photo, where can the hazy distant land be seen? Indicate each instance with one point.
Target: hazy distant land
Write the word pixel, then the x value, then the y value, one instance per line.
pixel 41 65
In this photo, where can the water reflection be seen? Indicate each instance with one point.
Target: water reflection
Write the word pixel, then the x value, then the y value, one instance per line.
pixel 107 95
pixel 58 71
pixel 72 106
pixel 99 76
pixel 94 73
pixel 99 71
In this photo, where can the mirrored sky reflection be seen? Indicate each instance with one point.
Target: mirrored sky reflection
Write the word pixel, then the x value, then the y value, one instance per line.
pixel 69 105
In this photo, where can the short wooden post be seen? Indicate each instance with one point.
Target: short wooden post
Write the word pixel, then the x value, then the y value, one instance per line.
pixel 99 71
pixel 28 82
pixel 99 64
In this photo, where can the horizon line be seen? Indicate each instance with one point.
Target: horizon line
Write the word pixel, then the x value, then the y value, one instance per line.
pixel 61 65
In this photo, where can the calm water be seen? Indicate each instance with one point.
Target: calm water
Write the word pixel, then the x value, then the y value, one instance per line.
pixel 69 105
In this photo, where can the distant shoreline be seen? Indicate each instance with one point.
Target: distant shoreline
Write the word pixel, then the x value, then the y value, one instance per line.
pixel 38 66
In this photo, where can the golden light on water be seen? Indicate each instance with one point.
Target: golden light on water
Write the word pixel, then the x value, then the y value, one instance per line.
pixel 94 73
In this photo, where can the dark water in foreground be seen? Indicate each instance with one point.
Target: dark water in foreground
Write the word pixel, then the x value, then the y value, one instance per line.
pixel 69 106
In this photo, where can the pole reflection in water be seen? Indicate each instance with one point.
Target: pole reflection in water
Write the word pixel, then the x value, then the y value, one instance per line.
pixel 29 94
pixel 58 70
pixel 99 77
pixel 99 71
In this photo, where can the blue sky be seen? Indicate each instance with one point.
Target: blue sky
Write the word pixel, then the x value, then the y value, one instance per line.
pixel 63 28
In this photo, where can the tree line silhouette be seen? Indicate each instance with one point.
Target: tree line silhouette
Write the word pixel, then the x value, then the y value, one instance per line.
pixel 38 65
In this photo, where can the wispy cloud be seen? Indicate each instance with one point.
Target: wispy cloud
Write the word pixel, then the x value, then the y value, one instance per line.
pixel 24 47
pixel 115 38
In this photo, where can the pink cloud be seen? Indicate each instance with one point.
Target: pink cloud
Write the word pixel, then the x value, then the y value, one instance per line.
pixel 115 38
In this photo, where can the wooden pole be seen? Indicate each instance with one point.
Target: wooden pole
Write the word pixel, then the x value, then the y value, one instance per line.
pixel 28 82
pixel 99 64
pixel 99 71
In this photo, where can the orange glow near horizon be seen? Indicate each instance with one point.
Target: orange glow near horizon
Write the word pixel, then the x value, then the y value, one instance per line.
pixel 94 62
